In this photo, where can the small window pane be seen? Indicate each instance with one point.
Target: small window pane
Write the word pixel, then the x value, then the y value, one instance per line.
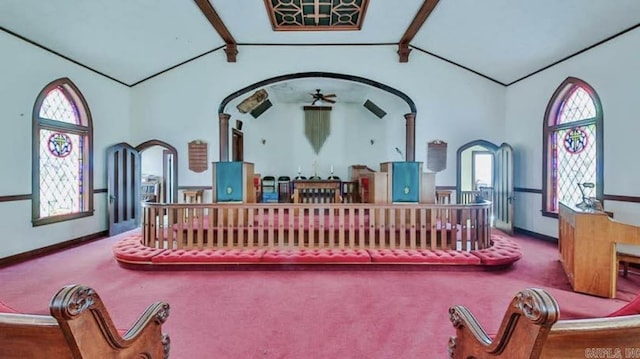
pixel 575 162
pixel 579 106
pixel 56 106
pixel 573 142
pixel 60 173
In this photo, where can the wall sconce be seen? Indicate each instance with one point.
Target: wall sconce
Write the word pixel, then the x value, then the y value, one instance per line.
pixel 263 141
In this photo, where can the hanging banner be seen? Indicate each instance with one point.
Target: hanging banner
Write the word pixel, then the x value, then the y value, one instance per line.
pixel 198 156
pixel 437 156
pixel 317 125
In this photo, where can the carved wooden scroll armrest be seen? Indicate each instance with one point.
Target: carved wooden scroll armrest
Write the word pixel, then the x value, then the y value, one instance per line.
pixel 522 333
pixel 90 332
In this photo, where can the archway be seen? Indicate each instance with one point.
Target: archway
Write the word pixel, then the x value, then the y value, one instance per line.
pixel 169 165
pixel 409 153
pixel 468 157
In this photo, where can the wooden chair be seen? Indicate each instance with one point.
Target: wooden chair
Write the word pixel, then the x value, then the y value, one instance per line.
pixel 626 254
pixel 80 328
pixel 284 189
pixel 531 329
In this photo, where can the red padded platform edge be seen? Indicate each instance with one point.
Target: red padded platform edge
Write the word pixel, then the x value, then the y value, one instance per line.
pixel 209 255
pixel 426 256
pixel 131 250
pixel 502 251
pixel 312 255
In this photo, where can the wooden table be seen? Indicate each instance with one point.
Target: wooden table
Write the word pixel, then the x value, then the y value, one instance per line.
pixel 317 191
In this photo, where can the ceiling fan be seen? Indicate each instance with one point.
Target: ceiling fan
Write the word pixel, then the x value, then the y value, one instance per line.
pixel 318 96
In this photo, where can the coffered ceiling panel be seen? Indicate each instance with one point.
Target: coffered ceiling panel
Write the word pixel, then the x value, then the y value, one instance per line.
pixel 384 22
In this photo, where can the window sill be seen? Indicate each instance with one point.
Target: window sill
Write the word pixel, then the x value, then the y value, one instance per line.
pixel 549 214
pixel 56 219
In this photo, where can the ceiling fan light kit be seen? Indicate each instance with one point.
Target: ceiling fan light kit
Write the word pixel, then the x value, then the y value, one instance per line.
pixel 320 99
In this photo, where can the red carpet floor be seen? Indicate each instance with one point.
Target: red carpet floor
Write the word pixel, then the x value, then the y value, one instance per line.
pixel 303 313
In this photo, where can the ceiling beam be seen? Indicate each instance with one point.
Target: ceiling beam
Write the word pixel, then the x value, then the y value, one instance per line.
pixel 414 27
pixel 210 13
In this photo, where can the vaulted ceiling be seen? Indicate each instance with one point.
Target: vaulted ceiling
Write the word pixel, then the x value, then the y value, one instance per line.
pixel 133 40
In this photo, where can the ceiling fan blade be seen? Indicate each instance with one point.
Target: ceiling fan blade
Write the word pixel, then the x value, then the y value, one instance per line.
pixel 329 100
pixel 314 102
pixel 330 95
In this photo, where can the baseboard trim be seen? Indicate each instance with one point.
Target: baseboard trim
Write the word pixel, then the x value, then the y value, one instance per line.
pixel 537 235
pixel 40 252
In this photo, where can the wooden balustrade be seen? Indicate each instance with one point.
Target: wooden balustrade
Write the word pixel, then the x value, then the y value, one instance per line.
pixel 355 226
pixel 486 193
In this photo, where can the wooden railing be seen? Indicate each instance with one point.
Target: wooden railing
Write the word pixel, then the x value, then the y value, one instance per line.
pixel 486 193
pixel 187 226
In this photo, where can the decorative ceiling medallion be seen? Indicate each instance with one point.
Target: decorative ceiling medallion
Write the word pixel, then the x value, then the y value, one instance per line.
pixel 316 15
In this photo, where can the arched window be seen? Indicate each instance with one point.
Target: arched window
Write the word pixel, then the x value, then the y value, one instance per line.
pixel 62 163
pixel 572 146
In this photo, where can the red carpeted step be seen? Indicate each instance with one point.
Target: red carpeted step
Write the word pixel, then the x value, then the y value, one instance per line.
pixel 212 256
pixel 130 249
pixel 502 251
pixel 426 256
pixel 313 255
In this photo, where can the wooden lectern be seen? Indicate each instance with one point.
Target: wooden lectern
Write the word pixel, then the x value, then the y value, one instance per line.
pixel 233 182
pixel 408 184
pixel 587 244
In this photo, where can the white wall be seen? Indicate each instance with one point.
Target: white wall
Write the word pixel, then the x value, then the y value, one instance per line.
pixel 453 105
pixel 612 70
pixel 25 70
pixel 181 105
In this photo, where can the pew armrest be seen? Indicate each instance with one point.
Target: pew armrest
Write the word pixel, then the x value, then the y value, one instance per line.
pixel 522 333
pixel 90 333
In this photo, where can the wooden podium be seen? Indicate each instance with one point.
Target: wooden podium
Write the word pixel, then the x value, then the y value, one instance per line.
pixel 233 182
pixel 408 184
pixel 587 244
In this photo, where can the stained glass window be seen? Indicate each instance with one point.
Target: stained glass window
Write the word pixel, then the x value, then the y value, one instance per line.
pixel 62 164
pixel 573 136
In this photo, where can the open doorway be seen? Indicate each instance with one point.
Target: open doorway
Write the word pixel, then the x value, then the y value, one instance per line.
pixel 125 185
pixel 482 169
pixel 159 171
pixel 475 172
pixel 485 172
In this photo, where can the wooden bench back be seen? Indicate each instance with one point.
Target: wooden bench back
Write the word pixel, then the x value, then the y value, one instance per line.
pixel 531 329
pixel 80 327
pixel 582 338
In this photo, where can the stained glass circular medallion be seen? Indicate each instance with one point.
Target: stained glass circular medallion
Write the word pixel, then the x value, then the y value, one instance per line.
pixel 575 140
pixel 60 144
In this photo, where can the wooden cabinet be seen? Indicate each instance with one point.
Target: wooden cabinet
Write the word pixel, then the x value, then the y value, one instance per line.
pixel 374 187
pixel 586 242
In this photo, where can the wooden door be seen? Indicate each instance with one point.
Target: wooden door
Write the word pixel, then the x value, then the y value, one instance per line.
pixel 123 188
pixel 503 189
pixel 237 145
pixel 169 189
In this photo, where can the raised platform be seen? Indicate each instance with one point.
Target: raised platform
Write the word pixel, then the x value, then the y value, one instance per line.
pixel 130 252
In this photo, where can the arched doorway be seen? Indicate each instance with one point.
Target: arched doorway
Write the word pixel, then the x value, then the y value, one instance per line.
pixel 124 182
pixel 475 168
pixel 486 170
pixel 404 104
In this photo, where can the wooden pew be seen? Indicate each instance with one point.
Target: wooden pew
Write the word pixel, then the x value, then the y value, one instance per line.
pixel 531 329
pixel 80 327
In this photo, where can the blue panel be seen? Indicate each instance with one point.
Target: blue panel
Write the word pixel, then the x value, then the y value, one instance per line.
pixel 229 186
pixel 270 197
pixel 405 182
